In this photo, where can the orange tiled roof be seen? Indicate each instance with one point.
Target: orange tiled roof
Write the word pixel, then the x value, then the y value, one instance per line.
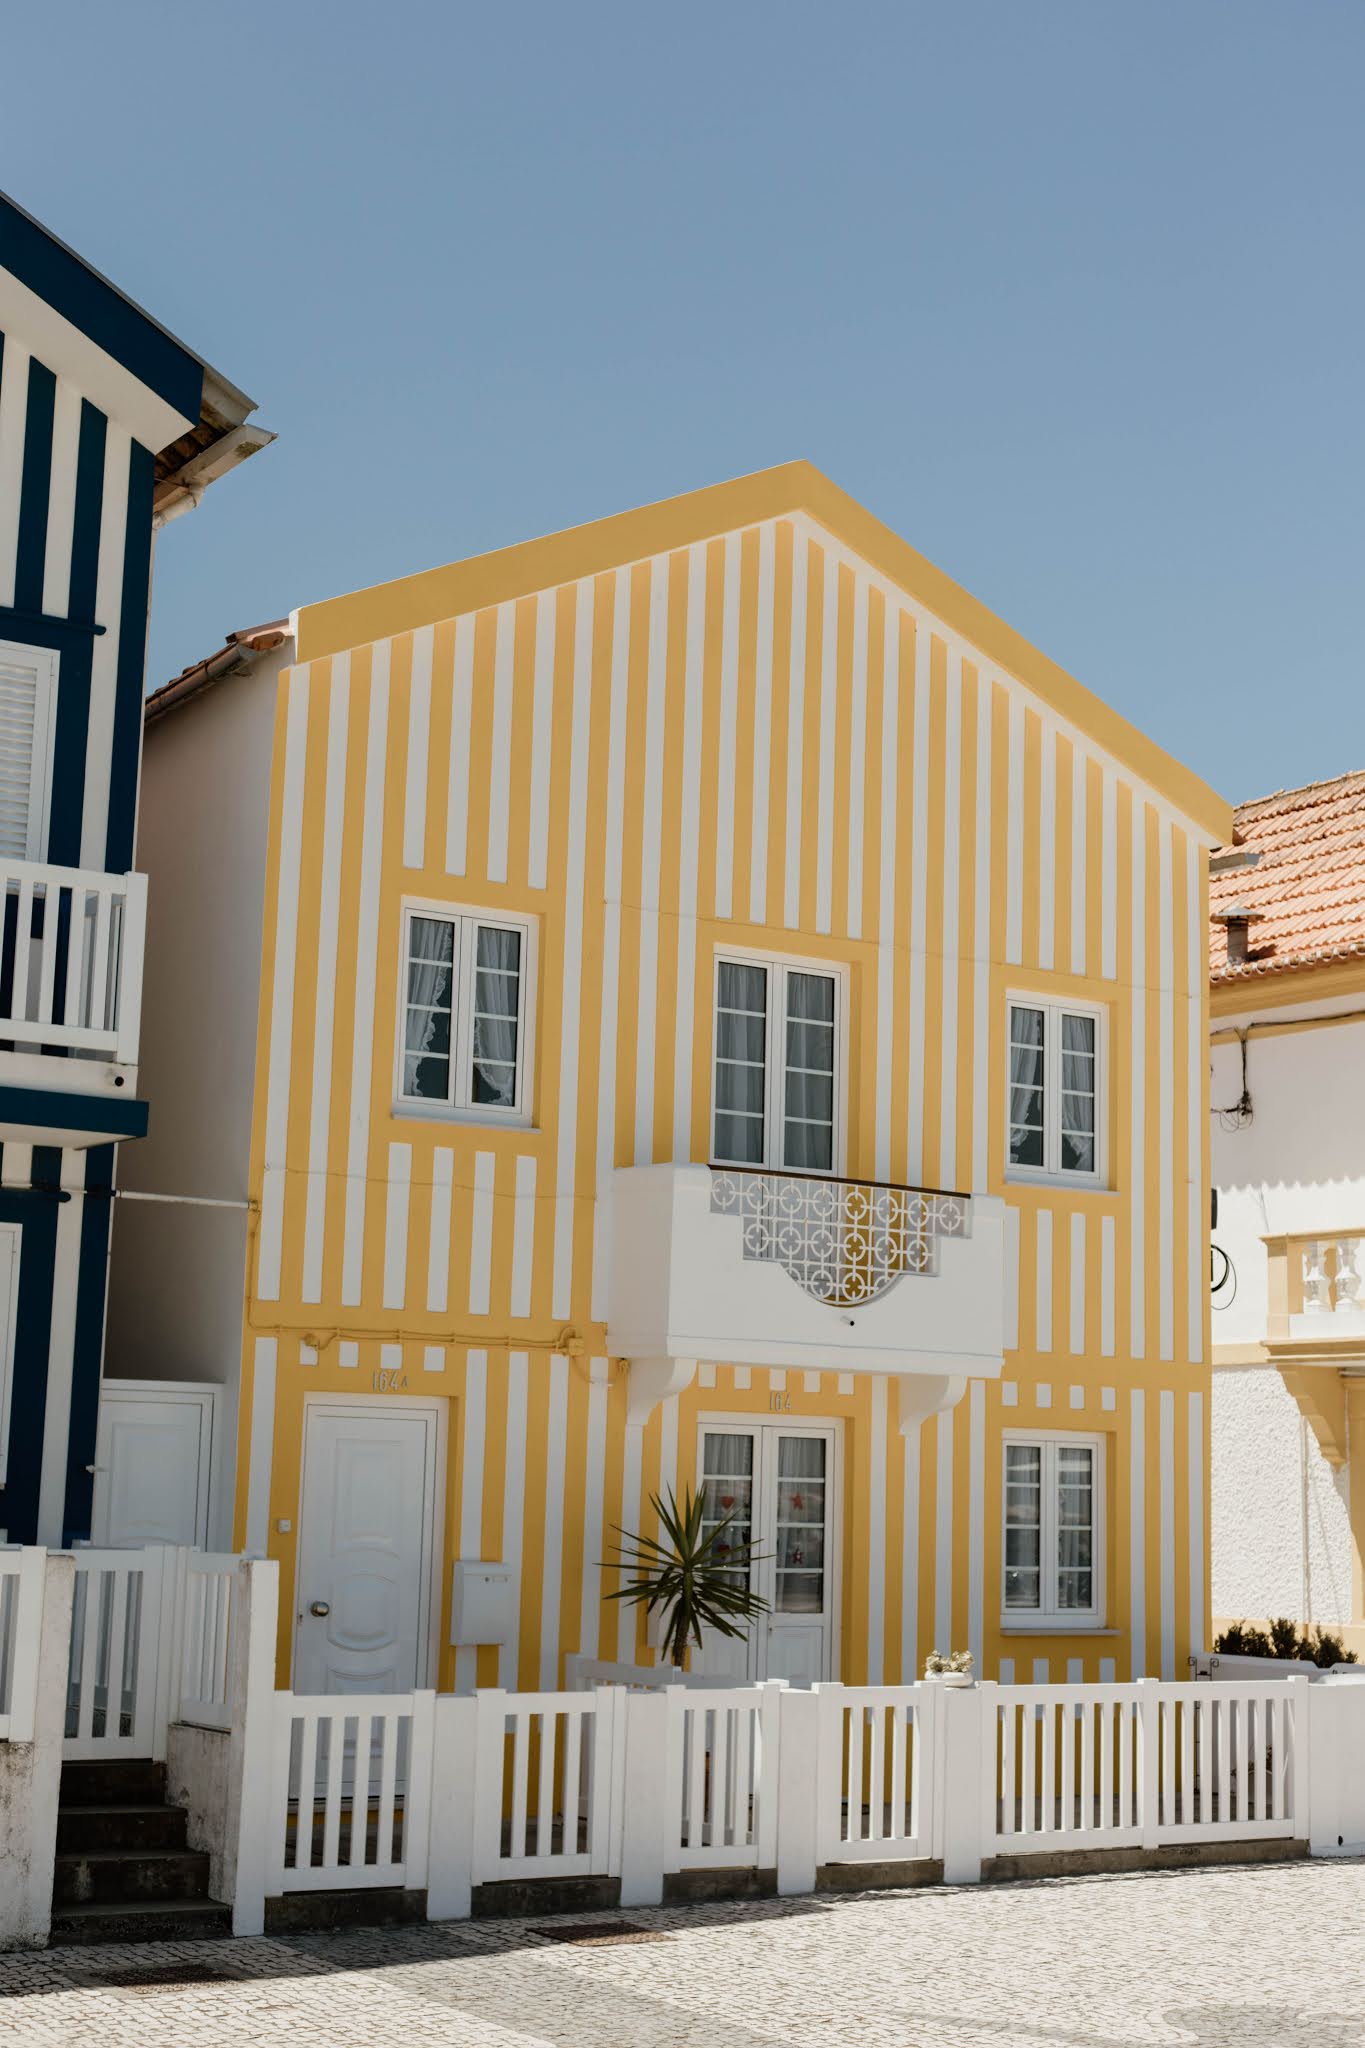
pixel 1309 883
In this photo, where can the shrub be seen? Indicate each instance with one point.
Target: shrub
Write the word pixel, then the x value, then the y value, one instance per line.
pixel 1284 1638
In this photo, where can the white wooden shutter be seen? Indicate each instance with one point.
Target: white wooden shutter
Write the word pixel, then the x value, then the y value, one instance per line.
pixel 27 676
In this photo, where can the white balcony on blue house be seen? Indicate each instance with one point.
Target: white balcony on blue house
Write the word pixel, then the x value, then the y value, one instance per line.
pixel 743 1266
pixel 71 948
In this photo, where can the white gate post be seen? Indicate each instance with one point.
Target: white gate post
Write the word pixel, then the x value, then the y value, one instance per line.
pixel 800 1720
pixel 31 1759
pixel 454 1775
pixel 1300 1758
pixel 962 1725
pixel 1149 1761
pixel 250 1757
pixel 650 1721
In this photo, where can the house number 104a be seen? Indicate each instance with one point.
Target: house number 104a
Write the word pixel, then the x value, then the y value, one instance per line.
pixel 386 1382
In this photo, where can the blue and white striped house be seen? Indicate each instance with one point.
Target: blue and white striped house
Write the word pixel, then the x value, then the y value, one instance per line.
pixel 108 427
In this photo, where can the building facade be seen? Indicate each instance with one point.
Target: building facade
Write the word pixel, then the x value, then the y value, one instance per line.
pixel 697 1001
pixel 108 426
pixel 1288 1050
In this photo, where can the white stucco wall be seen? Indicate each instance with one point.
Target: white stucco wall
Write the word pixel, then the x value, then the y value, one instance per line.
pixel 1256 1517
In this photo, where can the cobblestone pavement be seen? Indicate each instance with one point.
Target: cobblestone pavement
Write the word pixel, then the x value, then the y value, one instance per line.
pixel 1252 1956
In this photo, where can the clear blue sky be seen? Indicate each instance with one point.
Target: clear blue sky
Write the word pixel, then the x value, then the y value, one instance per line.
pixel 1071 293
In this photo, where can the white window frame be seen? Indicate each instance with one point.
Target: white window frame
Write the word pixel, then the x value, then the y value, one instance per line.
pixel 47 661
pixel 1048 1617
pixel 1052 1173
pixel 779 965
pixel 9 1308
pixel 466 917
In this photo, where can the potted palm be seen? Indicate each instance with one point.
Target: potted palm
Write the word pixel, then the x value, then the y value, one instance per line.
pixel 694 1578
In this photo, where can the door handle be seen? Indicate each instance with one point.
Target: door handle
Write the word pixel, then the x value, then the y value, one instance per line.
pixel 319 1607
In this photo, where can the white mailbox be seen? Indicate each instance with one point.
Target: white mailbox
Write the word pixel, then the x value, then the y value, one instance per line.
pixel 483 1605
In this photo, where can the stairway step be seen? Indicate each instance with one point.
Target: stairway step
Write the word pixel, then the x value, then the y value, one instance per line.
pixel 116 1878
pixel 148 1920
pixel 134 1827
pixel 113 1781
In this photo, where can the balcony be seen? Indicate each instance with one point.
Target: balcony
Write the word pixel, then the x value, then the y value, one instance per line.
pixel 70 1004
pixel 795 1270
pixel 1316 1292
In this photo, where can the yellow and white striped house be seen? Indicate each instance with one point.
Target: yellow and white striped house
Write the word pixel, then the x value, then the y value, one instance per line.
pixel 692 1000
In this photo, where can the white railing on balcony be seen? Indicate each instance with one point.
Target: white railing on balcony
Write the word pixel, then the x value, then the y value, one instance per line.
pixel 71 960
pixel 843 1241
pixel 1331 1276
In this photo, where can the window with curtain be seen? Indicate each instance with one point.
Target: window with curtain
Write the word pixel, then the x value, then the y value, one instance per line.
pixel 1055 1105
pixel 1052 1530
pixel 464 999
pixel 776 1066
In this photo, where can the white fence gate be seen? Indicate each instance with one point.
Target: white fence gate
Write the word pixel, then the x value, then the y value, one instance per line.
pixel 876 1776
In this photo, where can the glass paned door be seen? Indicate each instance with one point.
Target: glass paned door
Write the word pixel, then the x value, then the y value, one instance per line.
pixel 777 1485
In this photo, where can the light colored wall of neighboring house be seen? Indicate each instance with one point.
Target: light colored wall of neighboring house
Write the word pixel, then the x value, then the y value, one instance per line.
pixel 1270 1482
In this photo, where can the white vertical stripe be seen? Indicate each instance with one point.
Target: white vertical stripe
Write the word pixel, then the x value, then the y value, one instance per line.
pixel 627 1626
pixel 104 654
pixel 513 1508
pixel 1137 1535
pixel 438 1254
pixel 857 764
pixel 396 1227
pixel 829 680
pixel 13 425
pixel 1078 860
pixel 1109 891
pixel 471 1494
pixel 919 855
pixel 567 1143
pixel 61 502
pixel 910 1554
pixel 1108 1669
pixel 948 1037
pixel 481 1234
pixel 886 896
pixel 61 1350
pixel 651 858
pixel 611 928
pixel 1196 1115
pixel 419 751
pixel 1075 1670
pixel 1047 848
pixel 1078 1284
pixel 542 727
pixel 366 951
pixel 1138 1091
pixel 981 1000
pixel 1014 872
pixel 500 745
pixel 1043 1275
pixel 552 1555
pixel 262 1446
pixel 685 999
pixel 1167 1527
pixel 282 989
pixel 763 723
pixel 943 1536
pixel 594 1487
pixel 1007 1671
pixel 1106 1286
pixel 433 1358
pixel 976 1522
pixel 1166 1199
pixel 1012 1278
pixel 461 714
pixel 524 1234
pixel 325 991
pixel 729 718
pixel 796 722
pixel 1195 1452
pixel 1042 1671
pixel 348 1354
pixel 876 1535
pixel 668 1444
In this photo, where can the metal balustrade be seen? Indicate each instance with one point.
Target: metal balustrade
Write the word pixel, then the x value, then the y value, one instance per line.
pixel 846 1242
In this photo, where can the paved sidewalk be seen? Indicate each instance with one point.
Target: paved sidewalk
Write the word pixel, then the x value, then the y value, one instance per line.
pixel 1252 1956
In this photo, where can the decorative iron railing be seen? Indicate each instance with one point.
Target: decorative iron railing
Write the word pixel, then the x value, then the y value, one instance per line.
pixel 844 1241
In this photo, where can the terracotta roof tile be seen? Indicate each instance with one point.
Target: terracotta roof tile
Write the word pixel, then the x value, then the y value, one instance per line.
pixel 1308 885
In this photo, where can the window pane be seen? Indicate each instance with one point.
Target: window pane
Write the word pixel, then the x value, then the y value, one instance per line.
pixel 727 1490
pixel 430 1004
pixel 807 1147
pixel 1023 1524
pixel 808 1118
pixel 800 1561
pixel 497 1005
pixel 1078 1035
pixel 811 996
pixel 739 1138
pixel 1075 1526
pixel 741 1091
pixel 1027 1110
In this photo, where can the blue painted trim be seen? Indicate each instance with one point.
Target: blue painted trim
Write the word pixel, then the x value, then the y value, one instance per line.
pixel 49 1109
pixel 99 310
pixel 132 658
pixel 85 536
pixel 87 1355
pixel 35 489
pixel 40 629
pixel 36 1211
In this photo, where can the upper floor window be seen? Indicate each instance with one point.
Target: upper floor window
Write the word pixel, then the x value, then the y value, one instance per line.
pixel 1052 1529
pixel 1055 1090
pixel 776 1065
pixel 465 980
pixel 28 703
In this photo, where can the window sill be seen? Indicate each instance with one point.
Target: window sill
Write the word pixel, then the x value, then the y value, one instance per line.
pixel 1055 1628
pixel 1059 1183
pixel 475 1119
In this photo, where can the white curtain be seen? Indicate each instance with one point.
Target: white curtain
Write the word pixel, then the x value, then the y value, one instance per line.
pixel 741 1055
pixel 808 1135
pixel 1078 1094
pixel 497 982
pixel 426 1040
pixel 1026 1087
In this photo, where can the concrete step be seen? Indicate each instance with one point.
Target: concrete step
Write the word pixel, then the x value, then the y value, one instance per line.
pixel 118 1878
pixel 150 1920
pixel 135 1827
pixel 117 1781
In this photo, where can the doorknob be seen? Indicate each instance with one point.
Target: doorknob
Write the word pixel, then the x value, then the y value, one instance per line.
pixel 319 1607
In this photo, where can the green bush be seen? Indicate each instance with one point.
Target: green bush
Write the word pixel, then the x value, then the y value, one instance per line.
pixel 1284 1638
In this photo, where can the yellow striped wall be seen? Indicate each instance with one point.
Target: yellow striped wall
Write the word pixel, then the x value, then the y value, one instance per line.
pixel 755 739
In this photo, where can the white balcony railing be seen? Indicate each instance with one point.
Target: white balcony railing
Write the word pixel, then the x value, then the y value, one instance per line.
pixel 71 960
pixel 844 1241
pixel 1331 1276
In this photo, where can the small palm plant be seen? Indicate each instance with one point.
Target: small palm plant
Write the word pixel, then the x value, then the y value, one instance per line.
pixel 698 1578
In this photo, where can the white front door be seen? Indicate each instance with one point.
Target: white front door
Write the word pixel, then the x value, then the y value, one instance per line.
pixel 779 1483
pixel 363 1586
pixel 153 1451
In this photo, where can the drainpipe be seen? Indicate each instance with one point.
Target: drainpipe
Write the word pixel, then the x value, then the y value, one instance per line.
pixel 1305 1556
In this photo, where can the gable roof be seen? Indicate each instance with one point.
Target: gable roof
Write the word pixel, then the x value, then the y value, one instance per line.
pixel 1308 885
pixel 340 623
